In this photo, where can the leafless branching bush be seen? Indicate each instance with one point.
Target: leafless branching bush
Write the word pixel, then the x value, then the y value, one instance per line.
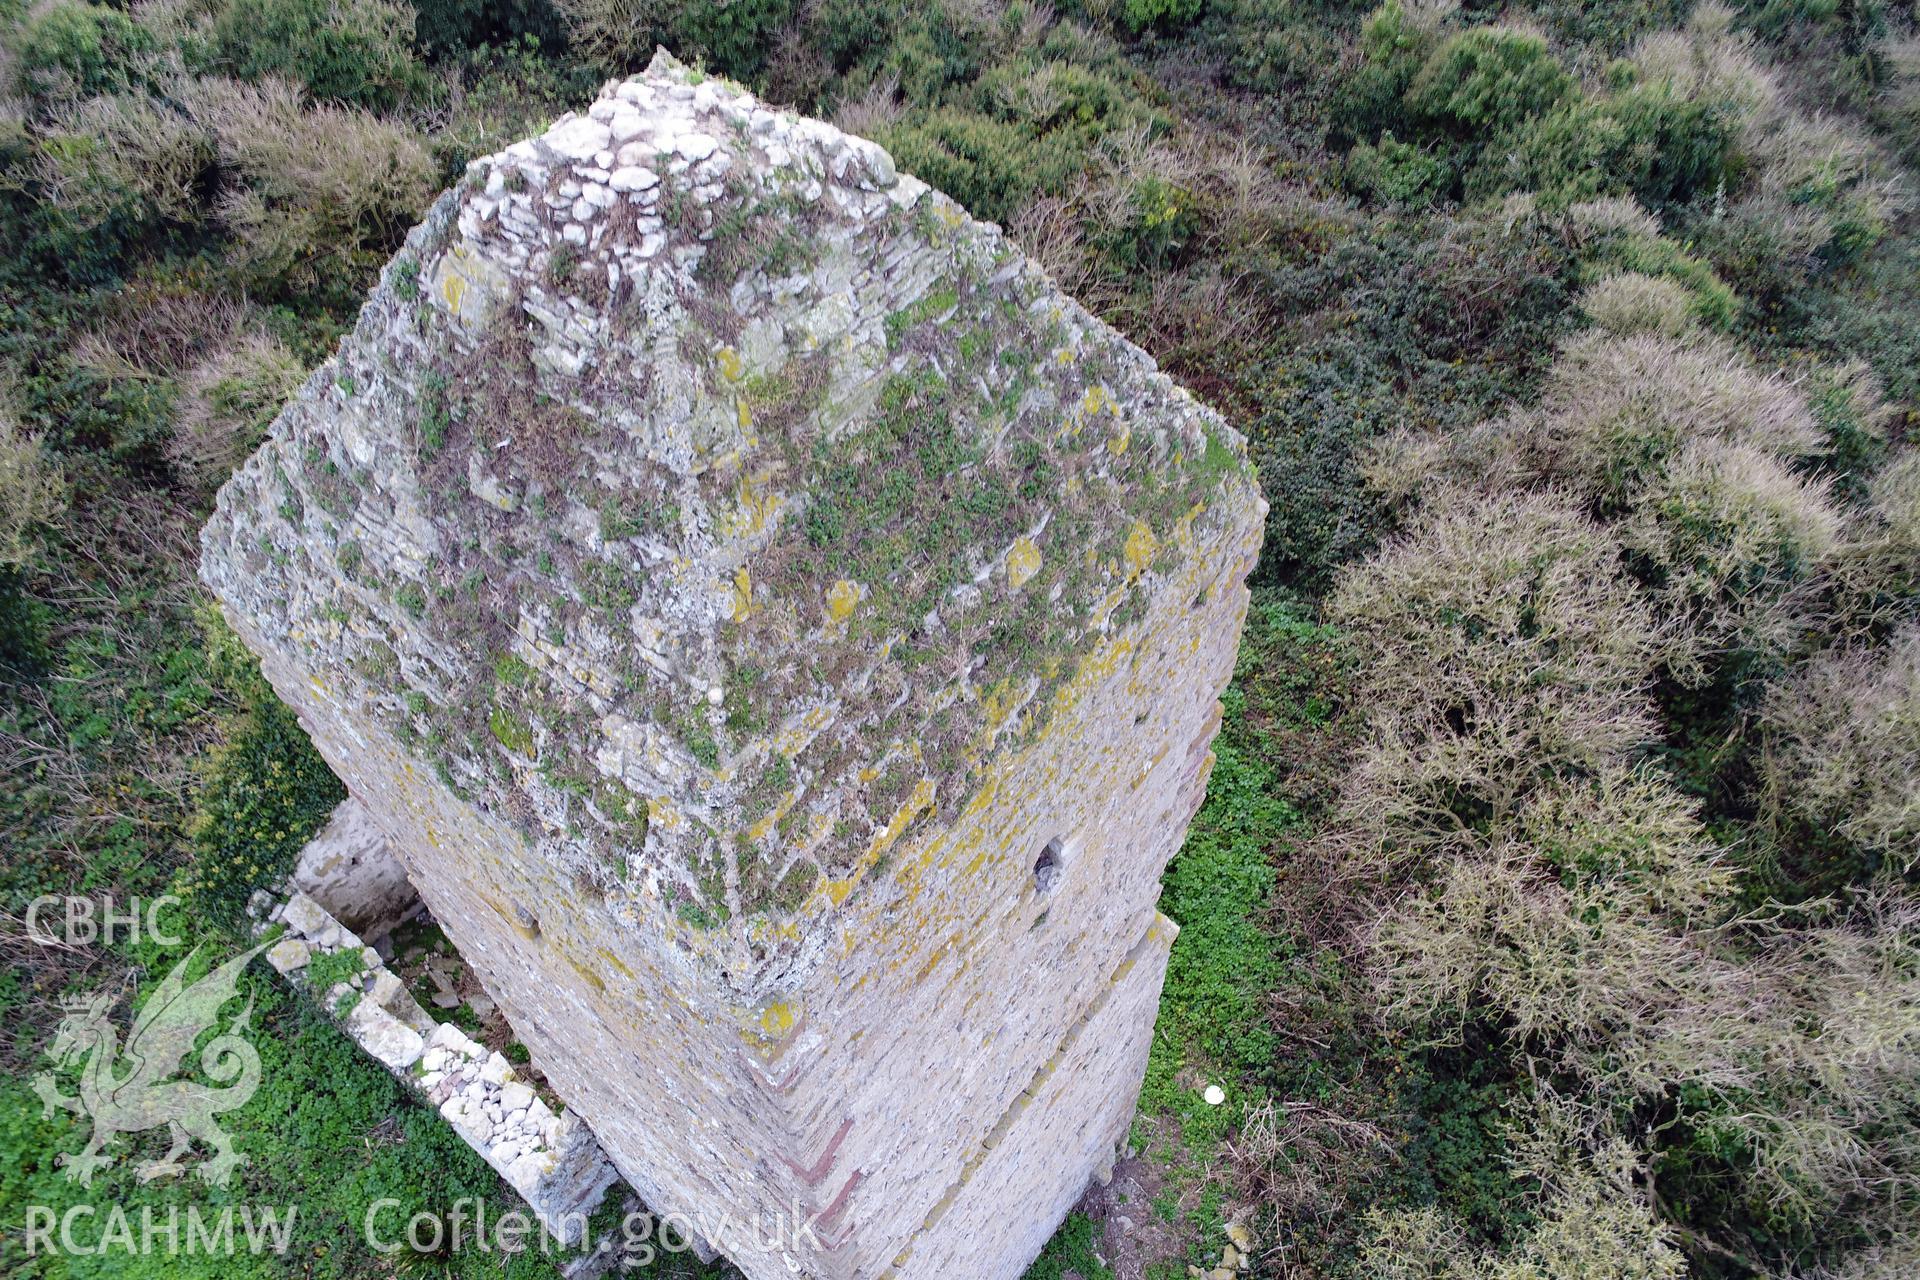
pixel 1616 411
pixel 1900 101
pixel 1048 231
pixel 1501 645
pixel 1708 61
pixel 1292 1155
pixel 158 332
pixel 1591 220
pixel 1898 1260
pixel 1843 746
pixel 1738 543
pixel 317 182
pixel 1834 1124
pixel 94 157
pixel 877 107
pixel 1828 174
pixel 225 403
pixel 1878 567
pixel 1584 983
pixel 31 492
pixel 1595 1220
pixel 617 34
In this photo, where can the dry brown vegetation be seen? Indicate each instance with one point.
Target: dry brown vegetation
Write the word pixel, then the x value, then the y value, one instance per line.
pixel 30 491
pixel 1844 747
pixel 1501 641
pixel 1655 515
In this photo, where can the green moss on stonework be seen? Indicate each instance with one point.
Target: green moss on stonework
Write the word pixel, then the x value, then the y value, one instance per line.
pixel 510 670
pixel 435 413
pixel 510 731
pixel 625 811
pixel 983 437
pixel 770 231
pixel 406 279
pixel 701 743
pixel 795 886
pixel 933 305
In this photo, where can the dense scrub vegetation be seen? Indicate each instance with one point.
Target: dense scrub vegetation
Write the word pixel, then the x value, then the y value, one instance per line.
pixel 1552 911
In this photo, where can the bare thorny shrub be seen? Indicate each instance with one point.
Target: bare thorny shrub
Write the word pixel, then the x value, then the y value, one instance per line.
pixel 1219 192
pixel 1698 462
pixel 1877 571
pixel 319 184
pixel 1500 642
pixel 1816 183
pixel 1594 1220
pixel 1539 879
pixel 877 108
pixel 95 155
pixel 615 33
pixel 120 544
pixel 31 492
pixel 229 375
pixel 303 188
pixel 1629 303
pixel 1616 411
pixel 1300 1157
pixel 1843 747
pixel 226 402
pixel 1736 541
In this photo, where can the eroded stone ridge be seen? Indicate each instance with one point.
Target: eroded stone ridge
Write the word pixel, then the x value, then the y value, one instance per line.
pixel 781 633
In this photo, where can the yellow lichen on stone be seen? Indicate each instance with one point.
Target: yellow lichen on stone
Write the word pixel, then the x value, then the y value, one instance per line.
pixel 842 597
pixel 758 831
pixel 753 513
pixel 1183 527
pixel 729 362
pixel 1023 561
pixel 995 707
pixel 742 594
pixel 663 813
pixel 776 1019
pixel 1139 548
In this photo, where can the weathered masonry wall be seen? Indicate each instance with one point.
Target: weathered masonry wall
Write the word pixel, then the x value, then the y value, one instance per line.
pixel 808 831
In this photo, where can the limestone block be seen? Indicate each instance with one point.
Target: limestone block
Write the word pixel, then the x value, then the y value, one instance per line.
pixel 392 1041
pixel 289 954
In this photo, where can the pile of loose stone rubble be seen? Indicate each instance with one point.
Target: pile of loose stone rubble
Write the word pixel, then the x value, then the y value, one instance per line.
pixel 550 1158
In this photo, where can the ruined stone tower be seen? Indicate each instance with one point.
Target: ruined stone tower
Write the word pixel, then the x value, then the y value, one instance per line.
pixel 781 634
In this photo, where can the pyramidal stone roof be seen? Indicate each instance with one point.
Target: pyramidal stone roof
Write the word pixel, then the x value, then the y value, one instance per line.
pixel 714 505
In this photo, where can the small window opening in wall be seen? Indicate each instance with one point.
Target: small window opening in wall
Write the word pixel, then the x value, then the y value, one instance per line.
pixel 1046 868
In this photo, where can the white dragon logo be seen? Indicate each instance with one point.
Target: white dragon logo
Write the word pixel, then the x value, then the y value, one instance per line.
pixel 126 1092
